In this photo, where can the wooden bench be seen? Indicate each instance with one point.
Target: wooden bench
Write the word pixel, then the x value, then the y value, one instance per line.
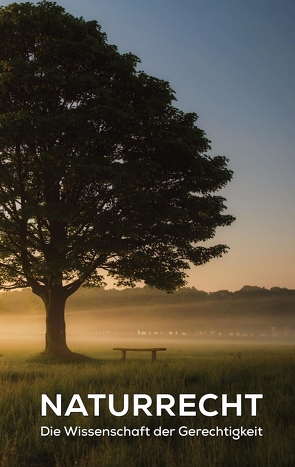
pixel 154 351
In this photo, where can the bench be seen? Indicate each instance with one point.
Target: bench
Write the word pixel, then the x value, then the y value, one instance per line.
pixel 154 351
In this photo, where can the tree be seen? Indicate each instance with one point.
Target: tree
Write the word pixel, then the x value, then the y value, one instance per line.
pixel 99 171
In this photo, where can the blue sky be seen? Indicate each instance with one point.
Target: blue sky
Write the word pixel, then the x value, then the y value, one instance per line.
pixel 233 63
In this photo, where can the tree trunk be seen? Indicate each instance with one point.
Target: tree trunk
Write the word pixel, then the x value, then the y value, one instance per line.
pixel 55 339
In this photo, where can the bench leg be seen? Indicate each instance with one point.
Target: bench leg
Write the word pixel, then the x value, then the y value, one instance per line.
pixel 154 354
pixel 123 354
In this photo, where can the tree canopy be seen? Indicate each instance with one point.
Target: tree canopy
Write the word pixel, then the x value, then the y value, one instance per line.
pixel 99 170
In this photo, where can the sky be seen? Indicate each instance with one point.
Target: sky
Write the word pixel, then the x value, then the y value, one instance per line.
pixel 233 63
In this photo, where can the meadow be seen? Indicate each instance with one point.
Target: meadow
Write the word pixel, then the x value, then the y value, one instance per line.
pixel 186 368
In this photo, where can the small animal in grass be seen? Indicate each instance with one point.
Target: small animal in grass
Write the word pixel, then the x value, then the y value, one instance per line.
pixel 238 355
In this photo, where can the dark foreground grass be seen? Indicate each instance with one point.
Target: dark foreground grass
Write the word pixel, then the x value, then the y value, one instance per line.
pixel 193 370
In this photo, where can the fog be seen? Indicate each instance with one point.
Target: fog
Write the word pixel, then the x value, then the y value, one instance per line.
pixel 144 315
pixel 161 325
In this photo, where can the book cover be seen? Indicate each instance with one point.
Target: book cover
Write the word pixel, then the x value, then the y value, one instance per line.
pixel 108 182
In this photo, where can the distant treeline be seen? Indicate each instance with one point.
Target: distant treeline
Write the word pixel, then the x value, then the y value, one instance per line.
pixel 103 298
pixel 96 298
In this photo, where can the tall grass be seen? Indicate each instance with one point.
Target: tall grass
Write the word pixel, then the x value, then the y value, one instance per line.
pixel 191 370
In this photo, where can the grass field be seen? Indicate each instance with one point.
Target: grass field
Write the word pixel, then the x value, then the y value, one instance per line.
pixel 187 369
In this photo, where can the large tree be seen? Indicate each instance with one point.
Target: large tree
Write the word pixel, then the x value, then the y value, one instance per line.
pixel 99 171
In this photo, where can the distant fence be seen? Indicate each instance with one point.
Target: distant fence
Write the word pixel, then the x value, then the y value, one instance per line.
pixel 272 332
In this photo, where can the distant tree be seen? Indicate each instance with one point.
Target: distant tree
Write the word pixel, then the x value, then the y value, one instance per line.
pixel 252 290
pixel 220 294
pixel 99 171
pixel 281 290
